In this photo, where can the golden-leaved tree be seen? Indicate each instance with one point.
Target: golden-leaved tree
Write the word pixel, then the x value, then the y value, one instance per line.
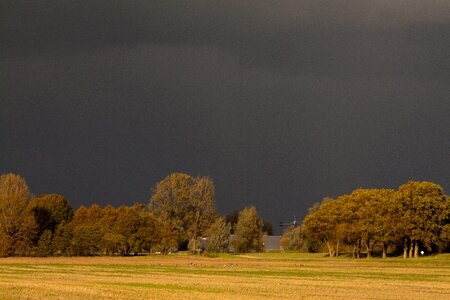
pixel 425 211
pixel 17 226
pixel 321 224
pixel 184 207
pixel 416 216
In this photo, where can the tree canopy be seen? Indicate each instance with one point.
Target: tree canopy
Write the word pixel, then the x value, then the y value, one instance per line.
pixel 181 215
pixel 185 208
pixel 248 231
pixel 415 216
pixel 17 226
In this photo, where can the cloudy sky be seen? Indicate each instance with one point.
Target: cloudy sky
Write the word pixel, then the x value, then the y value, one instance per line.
pixel 281 103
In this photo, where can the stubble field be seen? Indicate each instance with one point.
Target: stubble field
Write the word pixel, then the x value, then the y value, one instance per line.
pixel 257 276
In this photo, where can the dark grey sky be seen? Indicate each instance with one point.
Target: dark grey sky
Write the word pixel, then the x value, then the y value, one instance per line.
pixel 281 102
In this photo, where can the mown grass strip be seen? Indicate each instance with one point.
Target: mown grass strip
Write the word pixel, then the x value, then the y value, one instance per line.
pixel 308 272
pixel 174 287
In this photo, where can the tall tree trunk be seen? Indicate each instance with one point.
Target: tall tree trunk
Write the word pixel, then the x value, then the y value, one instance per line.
pixel 358 249
pixel 369 255
pixel 384 249
pixel 416 250
pixel 354 251
pixel 330 248
pixel 193 245
pixel 405 248
pixel 337 248
pixel 411 249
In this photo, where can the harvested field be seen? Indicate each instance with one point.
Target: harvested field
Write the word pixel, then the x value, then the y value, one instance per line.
pixel 258 276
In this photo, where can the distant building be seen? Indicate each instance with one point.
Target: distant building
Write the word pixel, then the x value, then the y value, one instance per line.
pixel 271 242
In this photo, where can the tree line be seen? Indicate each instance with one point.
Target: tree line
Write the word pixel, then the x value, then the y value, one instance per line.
pixel 181 214
pixel 414 217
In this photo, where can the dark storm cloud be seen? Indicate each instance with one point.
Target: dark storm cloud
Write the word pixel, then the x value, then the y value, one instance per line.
pixel 350 38
pixel 278 101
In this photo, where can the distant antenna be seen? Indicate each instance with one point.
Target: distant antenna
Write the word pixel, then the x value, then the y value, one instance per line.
pixel 286 224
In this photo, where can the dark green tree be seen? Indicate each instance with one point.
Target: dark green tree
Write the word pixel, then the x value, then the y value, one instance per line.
pixel 62 239
pixel 248 232
pixel 218 235
pixel 293 238
pixel 49 211
pixel 45 244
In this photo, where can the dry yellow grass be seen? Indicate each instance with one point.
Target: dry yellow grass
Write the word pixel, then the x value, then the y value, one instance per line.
pixel 266 276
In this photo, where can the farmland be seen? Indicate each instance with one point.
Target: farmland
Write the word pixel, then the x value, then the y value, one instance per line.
pixel 250 276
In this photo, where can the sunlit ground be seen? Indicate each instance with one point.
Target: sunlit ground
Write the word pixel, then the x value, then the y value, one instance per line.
pixel 250 276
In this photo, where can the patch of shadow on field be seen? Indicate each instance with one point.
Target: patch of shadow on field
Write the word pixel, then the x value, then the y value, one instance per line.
pixel 174 287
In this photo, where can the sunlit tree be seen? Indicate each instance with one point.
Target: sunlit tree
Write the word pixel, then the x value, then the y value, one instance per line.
pixel 321 224
pixel 17 226
pixel 425 210
pixel 184 207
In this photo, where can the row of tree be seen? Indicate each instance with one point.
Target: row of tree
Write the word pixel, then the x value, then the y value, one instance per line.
pixel 181 214
pixel 416 216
